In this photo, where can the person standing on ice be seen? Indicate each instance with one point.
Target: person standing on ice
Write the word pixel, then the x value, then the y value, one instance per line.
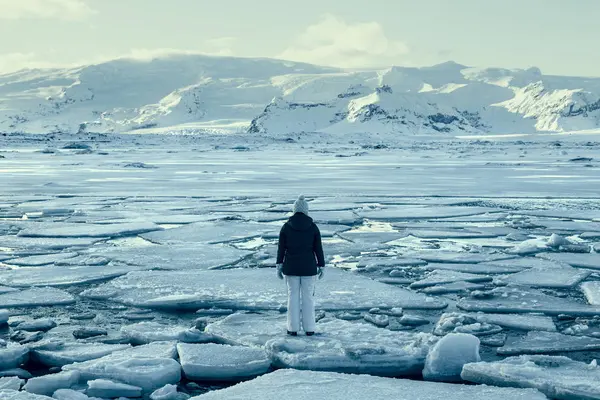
pixel 300 260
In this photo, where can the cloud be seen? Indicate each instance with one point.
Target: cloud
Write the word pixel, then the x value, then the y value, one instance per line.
pixel 45 9
pixel 16 61
pixel 332 41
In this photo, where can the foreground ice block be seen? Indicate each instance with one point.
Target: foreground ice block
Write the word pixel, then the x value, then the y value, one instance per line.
pixel 38 261
pixel 548 343
pixel 15 395
pixel 146 332
pixel 252 289
pixel 11 383
pixel 583 260
pixel 302 385
pixel 149 366
pixel 558 278
pixel 36 297
pixel 4 315
pixel 217 362
pixel 48 384
pixel 209 232
pixel 110 390
pixel 58 354
pixel 526 300
pixel 71 230
pixel 592 292
pixel 168 392
pixel 63 276
pixel 12 356
pixel 446 359
pixel 557 377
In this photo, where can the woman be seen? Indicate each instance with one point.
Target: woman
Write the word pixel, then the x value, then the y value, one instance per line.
pixel 300 258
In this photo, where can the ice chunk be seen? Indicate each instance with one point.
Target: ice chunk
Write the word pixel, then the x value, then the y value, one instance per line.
pixel 4 315
pixel 399 213
pixel 38 261
pixel 222 362
pixel 63 276
pixel 464 323
pixel 556 377
pixel 449 234
pixel 209 232
pixel 69 394
pixel 168 392
pixel 36 297
pixel 14 395
pixel 18 372
pixel 109 389
pixel 301 385
pixel 45 244
pixel 12 356
pixel 483 269
pixel 561 278
pixel 526 322
pixel 366 238
pixel 591 291
pixel 585 260
pixel 459 258
pixel 346 217
pixel 70 230
pixel 529 247
pixel 149 366
pixel 147 332
pixel 388 262
pixel 11 383
pixel 42 325
pixel 548 343
pixel 526 300
pixel 446 276
pixel 253 289
pixel 454 287
pixel 190 256
pixel 48 384
pixel 58 354
pixel 446 359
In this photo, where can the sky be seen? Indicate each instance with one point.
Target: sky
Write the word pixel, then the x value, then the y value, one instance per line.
pixel 558 36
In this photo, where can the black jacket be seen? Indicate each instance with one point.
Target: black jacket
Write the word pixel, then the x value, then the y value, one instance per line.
pixel 300 248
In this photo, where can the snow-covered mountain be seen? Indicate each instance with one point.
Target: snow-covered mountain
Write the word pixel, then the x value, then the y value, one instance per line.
pixel 274 97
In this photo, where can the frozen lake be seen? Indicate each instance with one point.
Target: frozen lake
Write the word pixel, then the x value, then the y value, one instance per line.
pixel 116 252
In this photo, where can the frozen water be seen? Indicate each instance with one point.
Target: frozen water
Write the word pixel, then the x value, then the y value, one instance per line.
pixel 399 213
pixel 196 256
pixel 67 230
pixel 63 276
pixel 591 291
pixel 445 360
pixel 37 261
pixel 15 395
pixel 42 324
pixel 18 372
pixel 168 392
pixel 109 389
pixel 330 230
pixel 464 323
pixel 557 377
pixel 368 238
pixel 4 315
pixel 58 354
pixel 303 385
pixel 70 394
pixel 374 263
pixel 147 332
pixel 149 366
pixel 439 277
pixel 449 234
pixel 48 384
pixel 455 287
pixel 6 289
pixel 589 260
pixel 209 233
pixel 559 278
pixel 529 247
pixel 458 258
pixel 525 322
pixel 548 343
pixel 526 300
pixel 11 383
pixel 334 217
pixel 252 289
pixel 12 356
pixel 46 244
pixel 216 362
pixel 483 269
pixel 250 329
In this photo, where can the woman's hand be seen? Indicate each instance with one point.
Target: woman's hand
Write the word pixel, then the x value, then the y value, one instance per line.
pixel 320 272
pixel 279 271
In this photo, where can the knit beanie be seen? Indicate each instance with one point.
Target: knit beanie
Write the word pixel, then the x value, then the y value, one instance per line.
pixel 301 205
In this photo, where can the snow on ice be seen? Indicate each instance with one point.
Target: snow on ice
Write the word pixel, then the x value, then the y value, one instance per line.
pixel 446 359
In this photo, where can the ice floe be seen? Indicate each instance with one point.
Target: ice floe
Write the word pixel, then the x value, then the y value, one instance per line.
pixel 439 277
pixel 300 385
pixel 37 261
pixel 48 384
pixel 592 292
pixel 399 213
pixel 483 269
pixel 252 289
pixel 563 278
pixel 36 297
pixel 209 233
pixel 589 260
pixel 109 389
pixel 557 377
pixel 4 316
pixel 42 324
pixel 59 353
pixel 446 359
pixel 11 383
pixel 548 343
pixel 12 356
pixel 70 230
pixel 63 276
pixel 147 332
pixel 217 362
pixel 15 395
pixel 168 392
pixel 46 244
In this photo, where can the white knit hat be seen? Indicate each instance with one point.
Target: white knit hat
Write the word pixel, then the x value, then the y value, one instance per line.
pixel 301 205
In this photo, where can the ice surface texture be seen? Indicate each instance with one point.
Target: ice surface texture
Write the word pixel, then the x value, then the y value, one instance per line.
pixel 446 359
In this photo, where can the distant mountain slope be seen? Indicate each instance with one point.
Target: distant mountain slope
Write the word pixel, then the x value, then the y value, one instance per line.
pixel 274 97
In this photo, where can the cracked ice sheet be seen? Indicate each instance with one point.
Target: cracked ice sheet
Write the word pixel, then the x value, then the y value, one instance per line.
pixel 557 278
pixel 485 269
pixel 548 343
pixel 252 289
pixel 59 354
pixel 36 297
pixel 41 260
pixel 302 385
pixel 579 260
pixel 45 244
pixel 371 238
pixel 526 300
pixel 15 395
pixel 68 230
pixel 558 377
pixel 436 256
pixel 439 277
pixel 415 212
pixel 210 233
pixel 63 276
pixel 339 346
pixel 173 257
pixel 448 234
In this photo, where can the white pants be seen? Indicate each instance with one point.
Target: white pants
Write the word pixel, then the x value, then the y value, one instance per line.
pixel 301 303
